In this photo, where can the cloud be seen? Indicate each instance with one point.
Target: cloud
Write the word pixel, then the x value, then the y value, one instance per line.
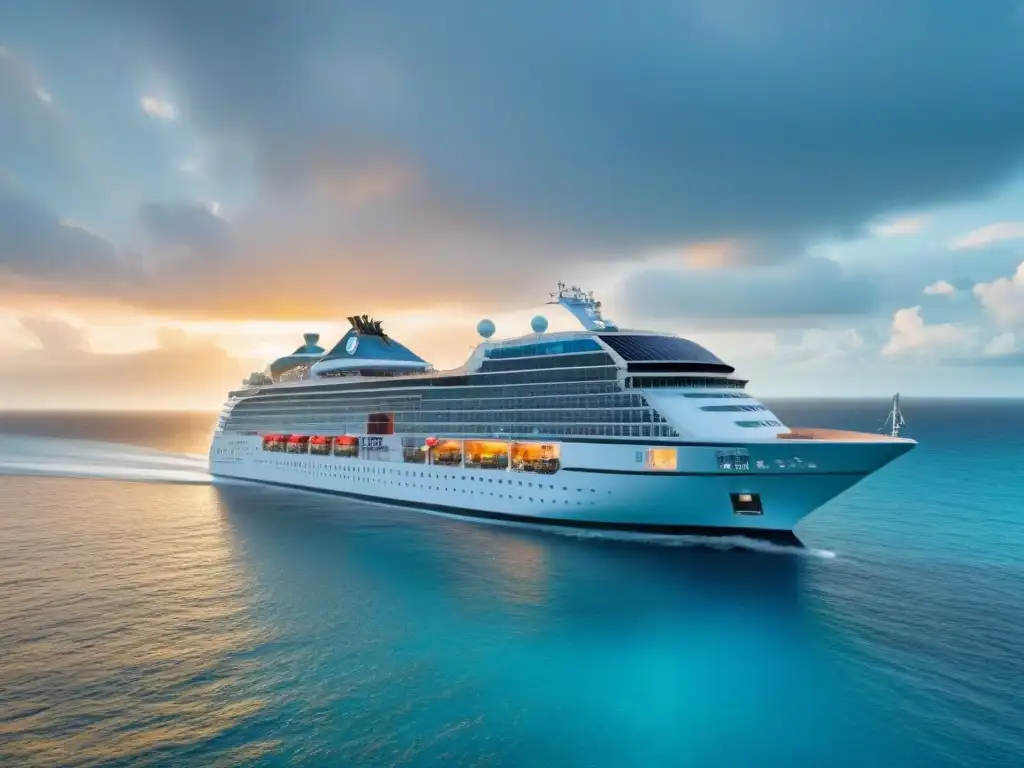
pixel 1003 344
pixel 183 372
pixel 940 288
pixel 1001 350
pixel 909 225
pixel 190 225
pixel 910 335
pixel 991 233
pixel 636 155
pixel 37 248
pixel 36 140
pixel 741 251
pixel 812 119
pixel 807 289
pixel 819 346
pixel 158 108
pixel 465 154
pixel 54 335
pixel 1003 298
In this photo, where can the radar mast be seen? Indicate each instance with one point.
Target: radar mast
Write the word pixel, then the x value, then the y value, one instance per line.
pixel 583 306
pixel 895 418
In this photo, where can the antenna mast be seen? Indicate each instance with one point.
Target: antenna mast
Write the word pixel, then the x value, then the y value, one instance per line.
pixel 895 418
pixel 583 306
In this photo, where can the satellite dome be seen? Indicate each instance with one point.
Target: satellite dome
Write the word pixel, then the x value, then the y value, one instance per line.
pixel 539 324
pixel 485 328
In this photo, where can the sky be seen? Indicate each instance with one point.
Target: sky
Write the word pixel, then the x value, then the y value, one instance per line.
pixel 829 196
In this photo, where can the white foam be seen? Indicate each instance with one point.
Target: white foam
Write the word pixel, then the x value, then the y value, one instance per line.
pixel 66 457
pixel 712 542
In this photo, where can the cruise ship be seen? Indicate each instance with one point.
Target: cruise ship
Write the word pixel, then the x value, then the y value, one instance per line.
pixel 599 428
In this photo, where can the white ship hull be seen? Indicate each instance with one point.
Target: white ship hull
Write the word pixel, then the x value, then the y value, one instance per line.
pixel 600 485
pixel 606 428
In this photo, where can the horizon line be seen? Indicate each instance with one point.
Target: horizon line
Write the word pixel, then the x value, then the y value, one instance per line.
pixel 805 398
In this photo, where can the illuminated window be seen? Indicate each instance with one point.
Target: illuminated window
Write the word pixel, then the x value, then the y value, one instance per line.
pixel 447 453
pixel 746 503
pixel 662 459
pixel 535 457
pixel 487 454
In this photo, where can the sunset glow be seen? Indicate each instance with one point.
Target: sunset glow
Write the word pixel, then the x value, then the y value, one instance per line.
pixel 171 219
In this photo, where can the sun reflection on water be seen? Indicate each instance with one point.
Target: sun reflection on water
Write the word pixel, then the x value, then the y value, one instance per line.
pixel 128 628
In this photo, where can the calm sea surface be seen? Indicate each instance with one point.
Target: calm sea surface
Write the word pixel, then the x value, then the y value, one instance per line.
pixel 151 618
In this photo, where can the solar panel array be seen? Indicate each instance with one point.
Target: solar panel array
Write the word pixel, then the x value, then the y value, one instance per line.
pixel 667 348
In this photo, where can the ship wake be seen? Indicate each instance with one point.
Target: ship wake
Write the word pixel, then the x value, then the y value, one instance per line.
pixel 709 542
pixel 65 457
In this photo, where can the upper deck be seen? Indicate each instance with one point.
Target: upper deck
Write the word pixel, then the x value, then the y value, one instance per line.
pixel 642 358
pixel 601 380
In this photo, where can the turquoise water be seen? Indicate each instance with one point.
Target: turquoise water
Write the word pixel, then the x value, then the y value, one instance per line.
pixel 170 622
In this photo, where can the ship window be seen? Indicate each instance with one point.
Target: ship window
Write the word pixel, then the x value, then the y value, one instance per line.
pixel 715 395
pixel 414 454
pixel 733 408
pixel 559 347
pixel 595 358
pixel 754 424
pixel 662 459
pixel 487 454
pixel 650 382
pixel 746 503
pixel 447 453
pixel 535 457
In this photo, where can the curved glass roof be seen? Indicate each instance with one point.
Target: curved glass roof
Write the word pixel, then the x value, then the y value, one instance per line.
pixel 659 348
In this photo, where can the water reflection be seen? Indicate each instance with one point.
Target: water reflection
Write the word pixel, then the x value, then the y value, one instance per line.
pixel 221 625
pixel 125 629
pixel 430 625
pixel 386 549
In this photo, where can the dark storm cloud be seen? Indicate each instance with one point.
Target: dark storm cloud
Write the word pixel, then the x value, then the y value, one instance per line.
pixel 616 124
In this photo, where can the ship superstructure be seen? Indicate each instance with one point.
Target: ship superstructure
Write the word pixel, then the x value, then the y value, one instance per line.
pixel 599 428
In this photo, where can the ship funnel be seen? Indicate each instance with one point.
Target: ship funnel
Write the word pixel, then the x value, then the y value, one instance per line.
pixel 311 339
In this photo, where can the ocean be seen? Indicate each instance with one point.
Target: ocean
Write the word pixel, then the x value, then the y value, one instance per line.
pixel 149 617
